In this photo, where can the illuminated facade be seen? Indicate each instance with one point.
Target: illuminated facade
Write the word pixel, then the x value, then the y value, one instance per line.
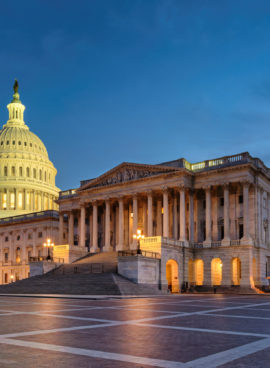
pixel 28 212
pixel 211 218
pixel 27 176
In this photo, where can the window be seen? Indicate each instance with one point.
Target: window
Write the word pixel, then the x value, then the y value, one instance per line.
pixel 40 175
pixel 5 171
pixel 241 231
pixel 30 236
pixel 221 202
pixel 13 171
pixel 13 142
pixel 18 237
pixel 20 170
pixel 6 278
pixel 6 239
pixel 240 198
pixel 35 173
pixel 6 257
pixel 28 172
pixel 25 144
pixel 4 201
pixel 29 254
pixel 7 142
pixel 20 143
pixel 40 234
pixel 20 200
pixel 204 204
pixel 12 200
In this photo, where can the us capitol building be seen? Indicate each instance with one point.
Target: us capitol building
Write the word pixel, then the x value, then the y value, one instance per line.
pixel 207 221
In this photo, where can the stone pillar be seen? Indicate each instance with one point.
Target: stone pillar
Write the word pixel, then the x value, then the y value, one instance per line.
pixel 145 218
pixel 227 238
pixel 246 238
pixel 8 200
pixel 182 215
pixel 94 248
pixel 42 201
pixel 135 220
pixel 61 227
pixel 107 226
pixel 165 214
pixel 82 227
pixel 121 225
pixel 159 218
pixel 191 216
pixel 175 218
pixel 71 229
pixel 150 214
pixel 208 216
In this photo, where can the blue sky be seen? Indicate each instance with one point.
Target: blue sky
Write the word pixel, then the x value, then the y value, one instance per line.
pixel 138 80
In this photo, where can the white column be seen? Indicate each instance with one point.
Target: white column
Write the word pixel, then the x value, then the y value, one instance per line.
pixel 94 248
pixel 61 227
pixel 165 214
pixel 246 238
pixel 71 229
pixel 175 217
pixel 135 220
pixel 159 218
pixel 145 218
pixel 191 215
pixel 82 227
pixel 150 214
pixel 226 240
pixel 121 225
pixel 107 226
pixel 182 215
pixel 208 215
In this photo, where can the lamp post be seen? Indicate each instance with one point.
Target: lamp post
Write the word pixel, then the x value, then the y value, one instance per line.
pixel 48 245
pixel 138 236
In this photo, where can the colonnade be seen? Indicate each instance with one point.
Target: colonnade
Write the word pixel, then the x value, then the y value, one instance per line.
pixel 24 199
pixel 174 213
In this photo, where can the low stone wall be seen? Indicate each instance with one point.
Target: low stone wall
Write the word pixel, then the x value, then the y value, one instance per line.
pixel 39 268
pixel 139 269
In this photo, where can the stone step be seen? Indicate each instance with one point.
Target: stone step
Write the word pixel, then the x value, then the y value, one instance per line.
pixel 77 284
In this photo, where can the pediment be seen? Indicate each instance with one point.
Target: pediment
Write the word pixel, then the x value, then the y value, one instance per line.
pixel 127 172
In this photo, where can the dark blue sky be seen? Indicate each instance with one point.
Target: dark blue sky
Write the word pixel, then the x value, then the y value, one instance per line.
pixel 138 80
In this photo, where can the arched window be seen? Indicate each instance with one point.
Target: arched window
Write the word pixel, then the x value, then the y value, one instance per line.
pixel 20 170
pixel 28 172
pixel 5 171
pixel 13 170
pixel 40 175
pixel 35 173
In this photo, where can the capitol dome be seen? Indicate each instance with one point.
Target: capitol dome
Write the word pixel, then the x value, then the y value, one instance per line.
pixel 27 176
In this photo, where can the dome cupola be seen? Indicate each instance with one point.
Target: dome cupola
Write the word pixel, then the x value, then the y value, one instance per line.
pixel 27 176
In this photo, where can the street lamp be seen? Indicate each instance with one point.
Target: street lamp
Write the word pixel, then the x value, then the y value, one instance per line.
pixel 48 245
pixel 138 237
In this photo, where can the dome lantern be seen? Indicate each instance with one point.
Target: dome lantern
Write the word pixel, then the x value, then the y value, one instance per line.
pixel 16 109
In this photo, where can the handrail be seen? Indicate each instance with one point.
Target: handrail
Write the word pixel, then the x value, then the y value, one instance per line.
pixel 144 253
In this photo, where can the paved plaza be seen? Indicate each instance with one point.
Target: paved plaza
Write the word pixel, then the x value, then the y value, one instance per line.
pixel 171 331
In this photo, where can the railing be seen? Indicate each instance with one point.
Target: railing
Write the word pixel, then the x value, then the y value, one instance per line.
pixel 67 193
pixel 235 242
pixel 49 213
pixel 215 244
pixel 196 245
pixel 144 253
pixel 45 259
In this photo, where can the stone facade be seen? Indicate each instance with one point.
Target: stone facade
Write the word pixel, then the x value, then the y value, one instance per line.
pixel 22 239
pixel 214 213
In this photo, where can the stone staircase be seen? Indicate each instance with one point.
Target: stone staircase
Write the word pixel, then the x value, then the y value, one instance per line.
pixel 77 284
pixel 90 263
pixel 93 274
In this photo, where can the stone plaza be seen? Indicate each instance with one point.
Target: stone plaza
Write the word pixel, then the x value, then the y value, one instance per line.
pixel 184 331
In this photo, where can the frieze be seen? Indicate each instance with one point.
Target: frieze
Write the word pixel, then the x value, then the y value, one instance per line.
pixel 126 175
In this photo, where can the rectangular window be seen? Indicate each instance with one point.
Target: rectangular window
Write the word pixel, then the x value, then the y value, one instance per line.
pixel 241 231
pixel 29 254
pixel 13 171
pixel 29 236
pixel 20 170
pixel 20 200
pixel 5 171
pixel 12 200
pixel 40 234
pixel 6 257
pixel 6 239
pixel 240 199
pixel 4 201
pixel 6 278
pixel 221 202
